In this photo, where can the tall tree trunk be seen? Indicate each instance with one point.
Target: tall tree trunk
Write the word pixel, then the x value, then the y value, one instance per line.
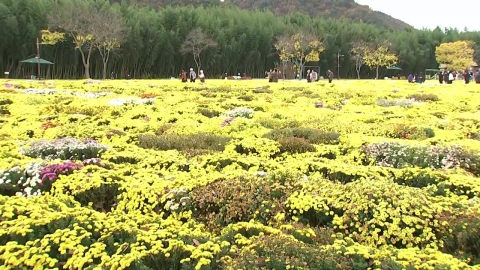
pixel 198 63
pixel 86 60
pixel 377 74
pixel 85 64
pixel 105 57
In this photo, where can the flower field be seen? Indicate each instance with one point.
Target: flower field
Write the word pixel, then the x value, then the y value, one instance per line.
pixel 239 175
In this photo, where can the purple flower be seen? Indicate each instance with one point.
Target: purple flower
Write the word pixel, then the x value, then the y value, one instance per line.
pixel 53 171
pixel 227 121
pixel 90 161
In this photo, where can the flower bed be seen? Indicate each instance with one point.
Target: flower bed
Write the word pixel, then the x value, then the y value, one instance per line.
pixel 239 175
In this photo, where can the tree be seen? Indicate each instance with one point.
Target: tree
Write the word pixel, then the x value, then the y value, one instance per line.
pixel 379 55
pixel 75 19
pixel 109 34
pixel 476 55
pixel 359 50
pixel 195 43
pixel 457 55
pixel 301 47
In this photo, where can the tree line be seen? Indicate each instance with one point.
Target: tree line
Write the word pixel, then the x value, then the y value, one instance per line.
pixel 92 38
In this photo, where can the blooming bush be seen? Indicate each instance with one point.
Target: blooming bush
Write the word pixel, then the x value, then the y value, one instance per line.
pixel 65 148
pixel 240 112
pixel 24 182
pixel 38 177
pixel 404 102
pixel 404 131
pixel 396 155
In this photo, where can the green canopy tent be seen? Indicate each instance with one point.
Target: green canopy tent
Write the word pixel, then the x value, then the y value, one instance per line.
pixel 38 61
pixel 35 60
pixel 394 68
pixel 429 71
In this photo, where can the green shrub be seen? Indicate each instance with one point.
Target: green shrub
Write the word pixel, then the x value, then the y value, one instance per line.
pixel 461 235
pixel 246 97
pixel 4 111
pixel 208 113
pixel 279 251
pixel 439 115
pixel 294 145
pixel 199 141
pixel 5 102
pixel 227 201
pixel 102 198
pixel 208 94
pixel 161 130
pixel 263 89
pixel 405 131
pixel 424 97
pixel 86 110
pixel 9 189
pixel 273 123
pixel 315 136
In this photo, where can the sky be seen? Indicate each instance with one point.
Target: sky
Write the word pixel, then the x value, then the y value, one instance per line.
pixel 430 14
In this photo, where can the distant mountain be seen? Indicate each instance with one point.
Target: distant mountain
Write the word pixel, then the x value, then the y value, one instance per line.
pixel 337 9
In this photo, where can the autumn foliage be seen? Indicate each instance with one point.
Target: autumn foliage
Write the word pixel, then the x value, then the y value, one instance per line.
pixel 301 48
pixel 456 55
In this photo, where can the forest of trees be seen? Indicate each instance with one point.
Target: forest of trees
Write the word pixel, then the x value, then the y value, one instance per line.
pixel 335 9
pixel 151 40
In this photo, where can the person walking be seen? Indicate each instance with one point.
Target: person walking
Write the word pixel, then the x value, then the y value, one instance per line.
pixel 330 76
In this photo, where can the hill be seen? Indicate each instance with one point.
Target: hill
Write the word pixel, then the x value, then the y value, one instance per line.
pixel 337 9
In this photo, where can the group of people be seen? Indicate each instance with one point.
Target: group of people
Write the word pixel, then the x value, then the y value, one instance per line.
pixel 273 75
pixel 415 78
pixel 192 76
pixel 447 77
pixel 312 76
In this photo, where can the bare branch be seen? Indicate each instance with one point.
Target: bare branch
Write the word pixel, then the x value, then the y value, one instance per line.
pixel 195 43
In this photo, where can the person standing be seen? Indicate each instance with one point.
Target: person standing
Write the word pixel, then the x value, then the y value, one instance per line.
pixel 440 77
pixel 275 75
pixel 184 76
pixel 466 76
pixel 201 75
pixel 451 77
pixel 330 76
pixel 314 76
pixel 193 75
pixel 445 76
